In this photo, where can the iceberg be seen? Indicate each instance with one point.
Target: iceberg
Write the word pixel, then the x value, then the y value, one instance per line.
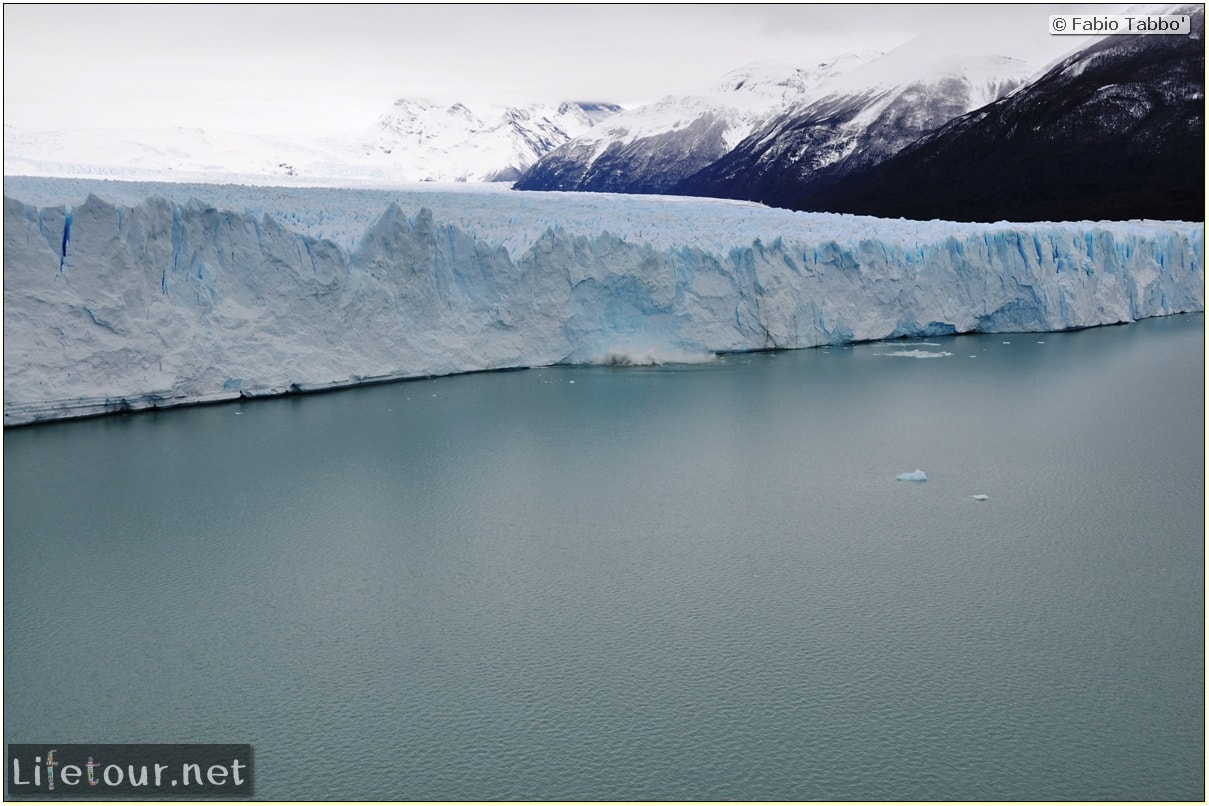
pixel 161 295
pixel 914 475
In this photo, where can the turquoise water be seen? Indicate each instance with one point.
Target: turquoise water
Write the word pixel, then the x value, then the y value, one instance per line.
pixel 691 582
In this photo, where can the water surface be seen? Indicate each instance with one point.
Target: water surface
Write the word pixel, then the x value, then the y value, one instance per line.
pixel 692 582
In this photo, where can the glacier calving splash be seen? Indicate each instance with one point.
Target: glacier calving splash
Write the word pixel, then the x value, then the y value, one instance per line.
pixel 113 306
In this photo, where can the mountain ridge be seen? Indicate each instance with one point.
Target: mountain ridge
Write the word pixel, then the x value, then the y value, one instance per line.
pixel 649 148
pixel 1115 131
pixel 863 118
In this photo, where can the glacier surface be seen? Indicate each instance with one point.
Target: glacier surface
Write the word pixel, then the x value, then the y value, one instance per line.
pixel 160 294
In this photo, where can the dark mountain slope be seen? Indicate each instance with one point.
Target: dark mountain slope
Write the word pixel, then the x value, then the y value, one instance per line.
pixel 650 148
pixel 646 165
pixel 882 111
pixel 1116 131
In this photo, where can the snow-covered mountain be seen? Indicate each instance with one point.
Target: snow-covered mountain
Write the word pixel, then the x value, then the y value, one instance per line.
pixel 1114 131
pixel 413 142
pixel 442 143
pixel 203 293
pixel 649 148
pixel 858 119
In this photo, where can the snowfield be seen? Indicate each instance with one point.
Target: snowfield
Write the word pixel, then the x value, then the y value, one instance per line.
pixel 413 141
pixel 122 296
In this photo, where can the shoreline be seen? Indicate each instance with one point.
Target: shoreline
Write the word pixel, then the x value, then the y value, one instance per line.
pixel 48 413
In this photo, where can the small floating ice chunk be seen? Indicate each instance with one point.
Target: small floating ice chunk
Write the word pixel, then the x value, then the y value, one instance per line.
pixel 915 475
pixel 980 497
pixel 918 354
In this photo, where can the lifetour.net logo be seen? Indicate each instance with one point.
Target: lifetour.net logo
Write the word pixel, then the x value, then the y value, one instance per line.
pixel 104 771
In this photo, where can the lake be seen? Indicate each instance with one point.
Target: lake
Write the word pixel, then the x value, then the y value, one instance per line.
pixel 661 583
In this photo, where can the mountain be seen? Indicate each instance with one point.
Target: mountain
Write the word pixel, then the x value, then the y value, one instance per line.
pixel 451 143
pixel 650 148
pixel 864 117
pixel 414 141
pixel 1116 131
pixel 199 293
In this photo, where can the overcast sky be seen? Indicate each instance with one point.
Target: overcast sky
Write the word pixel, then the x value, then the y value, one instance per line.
pixel 295 68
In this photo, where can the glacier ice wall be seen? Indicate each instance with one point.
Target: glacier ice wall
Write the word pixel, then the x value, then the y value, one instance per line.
pixel 111 307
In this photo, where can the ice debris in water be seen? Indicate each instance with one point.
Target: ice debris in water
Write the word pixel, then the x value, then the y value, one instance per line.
pixel 980 497
pixel 917 354
pixel 915 475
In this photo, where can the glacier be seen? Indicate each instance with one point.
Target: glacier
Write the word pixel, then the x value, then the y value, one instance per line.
pixel 156 295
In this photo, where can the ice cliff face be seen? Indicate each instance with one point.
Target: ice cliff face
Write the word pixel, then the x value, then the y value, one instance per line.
pixel 112 307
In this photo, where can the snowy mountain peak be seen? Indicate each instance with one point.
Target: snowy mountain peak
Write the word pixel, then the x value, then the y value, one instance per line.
pixel 735 103
pixel 592 112
pixel 409 115
pixel 653 148
pixel 925 133
pixel 919 62
pixel 856 118
pixel 780 82
pixel 454 142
